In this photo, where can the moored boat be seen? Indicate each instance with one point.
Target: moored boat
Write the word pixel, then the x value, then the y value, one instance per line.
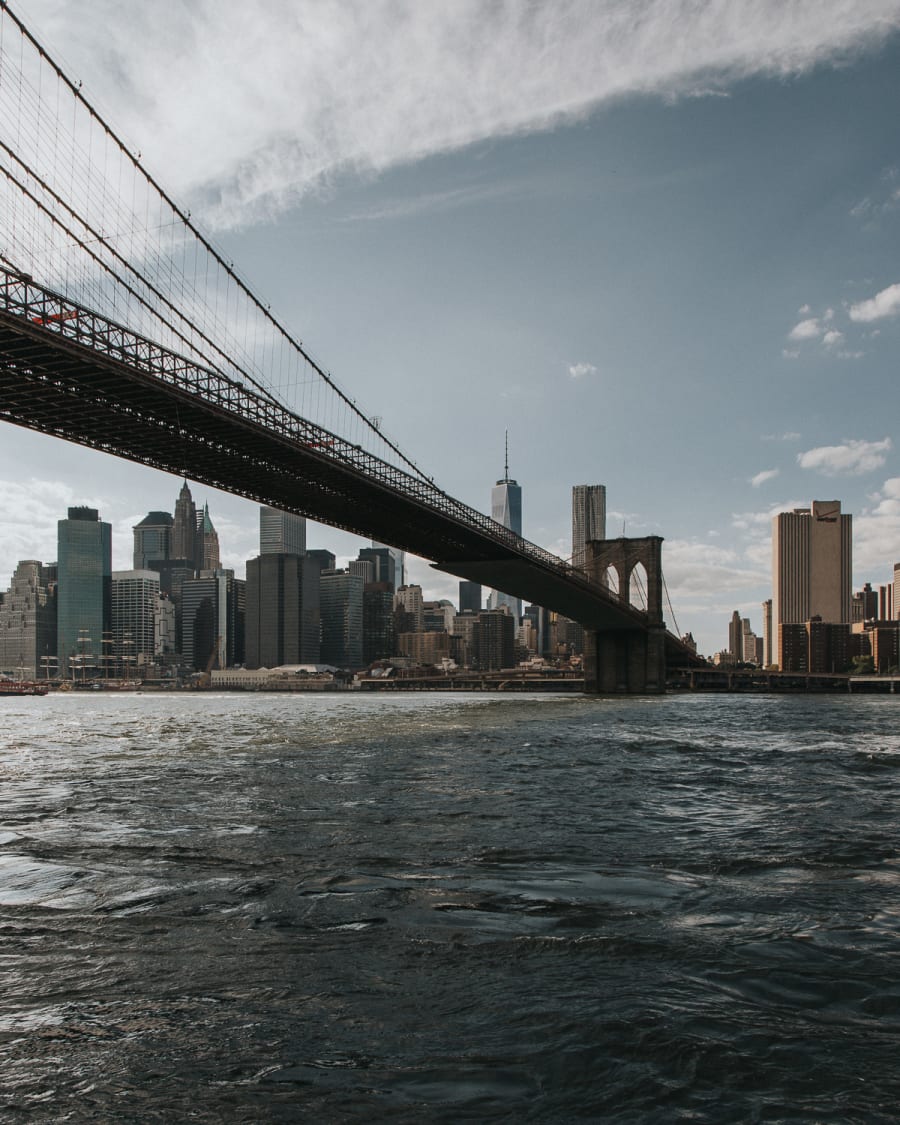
pixel 22 687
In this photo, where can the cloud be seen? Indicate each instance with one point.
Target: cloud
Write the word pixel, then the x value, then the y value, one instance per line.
pixel 790 435
pixel 882 305
pixel 806 330
pixel 262 103
pixel 761 478
pixel 876 536
pixel 579 370
pixel 832 338
pixel 850 459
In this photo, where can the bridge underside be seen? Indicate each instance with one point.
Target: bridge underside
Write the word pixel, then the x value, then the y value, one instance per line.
pixel 57 386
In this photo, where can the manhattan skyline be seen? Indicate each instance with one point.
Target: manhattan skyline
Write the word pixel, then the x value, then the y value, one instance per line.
pixel 676 279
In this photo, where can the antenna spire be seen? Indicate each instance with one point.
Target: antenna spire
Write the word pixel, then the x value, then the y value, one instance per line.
pixel 506 455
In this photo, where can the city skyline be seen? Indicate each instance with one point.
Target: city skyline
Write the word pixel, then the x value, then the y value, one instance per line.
pixel 698 258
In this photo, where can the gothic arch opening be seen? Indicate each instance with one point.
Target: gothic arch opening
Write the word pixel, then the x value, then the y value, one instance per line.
pixel 638 586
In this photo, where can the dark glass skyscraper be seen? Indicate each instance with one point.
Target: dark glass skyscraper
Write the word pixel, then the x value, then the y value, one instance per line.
pixel 152 539
pixel 283 615
pixel 84 598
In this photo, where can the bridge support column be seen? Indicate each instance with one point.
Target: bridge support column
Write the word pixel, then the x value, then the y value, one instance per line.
pixel 624 662
pixel 627 661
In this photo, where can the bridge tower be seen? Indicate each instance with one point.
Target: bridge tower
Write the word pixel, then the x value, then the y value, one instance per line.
pixel 627 661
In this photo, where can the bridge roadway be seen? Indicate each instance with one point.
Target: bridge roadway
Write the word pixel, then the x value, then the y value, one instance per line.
pixel 67 371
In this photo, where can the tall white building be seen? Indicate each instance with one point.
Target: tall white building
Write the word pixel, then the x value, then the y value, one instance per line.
pixel 135 614
pixel 812 556
pixel 281 533
pixel 588 517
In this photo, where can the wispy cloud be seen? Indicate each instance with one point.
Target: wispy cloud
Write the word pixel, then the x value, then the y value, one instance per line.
pixel 580 370
pixel 849 459
pixel 761 478
pixel 265 102
pixel 882 305
pixel 433 202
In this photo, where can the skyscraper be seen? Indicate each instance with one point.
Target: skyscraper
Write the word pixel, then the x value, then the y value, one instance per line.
pixel 342 619
pixel 85 570
pixel 152 539
pixel 213 619
pixel 283 616
pixel 811 567
pixel 399 557
pixel 28 621
pixel 135 608
pixel 588 517
pixel 281 533
pixel 506 509
pixel 469 596
pixel 184 527
pixel 206 553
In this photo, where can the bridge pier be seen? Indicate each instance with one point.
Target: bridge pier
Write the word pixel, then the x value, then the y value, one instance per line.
pixel 624 662
pixel 627 661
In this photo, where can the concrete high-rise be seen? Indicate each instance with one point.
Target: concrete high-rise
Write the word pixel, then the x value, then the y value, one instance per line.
pixel 28 621
pixel 84 563
pixel 811 567
pixel 588 517
pixel 506 509
pixel 135 608
pixel 281 533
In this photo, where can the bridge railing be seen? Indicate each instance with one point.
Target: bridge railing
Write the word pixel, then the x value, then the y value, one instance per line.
pixel 22 297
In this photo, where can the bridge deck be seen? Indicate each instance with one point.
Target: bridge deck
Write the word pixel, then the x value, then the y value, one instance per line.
pixel 68 372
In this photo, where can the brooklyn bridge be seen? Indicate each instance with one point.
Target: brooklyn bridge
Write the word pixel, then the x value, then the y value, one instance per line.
pixel 124 329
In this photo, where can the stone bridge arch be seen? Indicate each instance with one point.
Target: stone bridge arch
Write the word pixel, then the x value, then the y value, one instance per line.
pixel 622 556
pixel 629 660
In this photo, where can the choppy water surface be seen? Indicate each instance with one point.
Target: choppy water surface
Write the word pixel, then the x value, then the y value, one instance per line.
pixel 445 908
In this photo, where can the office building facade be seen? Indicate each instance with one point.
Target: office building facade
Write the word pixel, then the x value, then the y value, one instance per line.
pixel 281 533
pixel 341 595
pixel 588 518
pixel 135 606
pixel 811 567
pixel 84 608
pixel 152 539
pixel 283 623
pixel 28 622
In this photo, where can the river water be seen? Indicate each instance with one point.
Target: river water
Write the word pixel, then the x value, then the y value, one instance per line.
pixel 343 908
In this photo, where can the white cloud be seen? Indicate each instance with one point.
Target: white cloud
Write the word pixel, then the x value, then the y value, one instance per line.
pixel 804 310
pixel 882 305
pixel 264 102
pixel 876 536
pixel 806 330
pixel 850 459
pixel 761 478
pixel 693 568
pixel 832 338
pixel 790 353
pixel 579 370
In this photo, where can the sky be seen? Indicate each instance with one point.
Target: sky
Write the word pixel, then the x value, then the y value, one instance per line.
pixel 656 242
